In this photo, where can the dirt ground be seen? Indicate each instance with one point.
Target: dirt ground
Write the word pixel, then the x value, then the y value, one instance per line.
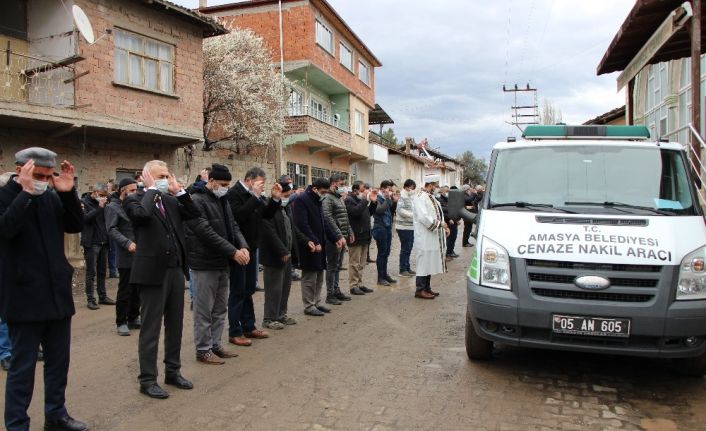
pixel 382 361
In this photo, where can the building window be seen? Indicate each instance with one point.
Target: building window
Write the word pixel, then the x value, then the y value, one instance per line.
pixel 319 173
pixel 364 73
pixel 13 19
pixel 296 103
pixel 143 62
pixel 318 110
pixel 324 37
pixel 359 123
pixel 346 56
pixel 297 173
pixel 346 176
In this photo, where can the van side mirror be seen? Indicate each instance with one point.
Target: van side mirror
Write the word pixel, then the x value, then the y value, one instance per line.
pixel 457 206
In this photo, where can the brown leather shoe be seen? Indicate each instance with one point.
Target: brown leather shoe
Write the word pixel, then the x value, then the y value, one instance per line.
pixel 209 358
pixel 434 292
pixel 223 353
pixel 424 295
pixel 257 333
pixel 239 341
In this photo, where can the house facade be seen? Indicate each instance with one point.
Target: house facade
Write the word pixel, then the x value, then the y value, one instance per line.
pixel 331 75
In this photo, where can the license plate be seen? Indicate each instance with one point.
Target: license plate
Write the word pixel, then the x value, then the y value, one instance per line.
pixel 590 326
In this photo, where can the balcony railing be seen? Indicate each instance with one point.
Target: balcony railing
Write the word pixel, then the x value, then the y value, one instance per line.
pixel 24 78
pixel 333 120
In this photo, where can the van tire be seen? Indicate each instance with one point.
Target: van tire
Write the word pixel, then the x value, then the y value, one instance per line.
pixel 692 367
pixel 477 348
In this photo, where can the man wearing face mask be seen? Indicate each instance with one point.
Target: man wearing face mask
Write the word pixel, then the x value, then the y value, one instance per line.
pixel 159 269
pixel 250 208
pixel 309 219
pixel 214 240
pixel 360 205
pixel 382 230
pixel 94 240
pixel 119 226
pixel 336 216
pixel 404 224
pixel 35 284
pixel 280 243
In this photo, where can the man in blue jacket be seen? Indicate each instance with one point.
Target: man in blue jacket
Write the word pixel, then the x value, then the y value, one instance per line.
pixel 382 230
pixel 35 284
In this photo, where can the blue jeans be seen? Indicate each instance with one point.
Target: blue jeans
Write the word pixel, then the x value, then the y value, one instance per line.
pixel 383 239
pixel 5 346
pixel 406 244
pixel 451 240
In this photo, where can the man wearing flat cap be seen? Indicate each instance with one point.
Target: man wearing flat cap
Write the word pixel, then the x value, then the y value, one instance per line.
pixel 120 231
pixel 36 208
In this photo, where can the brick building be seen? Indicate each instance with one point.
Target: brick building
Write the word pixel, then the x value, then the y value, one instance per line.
pixel 332 75
pixel 133 95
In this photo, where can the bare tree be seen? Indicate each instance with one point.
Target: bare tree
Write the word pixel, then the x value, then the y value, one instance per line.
pixel 550 113
pixel 244 96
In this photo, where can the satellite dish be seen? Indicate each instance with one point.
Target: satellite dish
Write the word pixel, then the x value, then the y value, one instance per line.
pixel 83 24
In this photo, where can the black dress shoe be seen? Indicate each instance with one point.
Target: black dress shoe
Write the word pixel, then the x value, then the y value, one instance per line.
pixel 153 390
pixel 390 279
pixel 5 363
pixel 65 423
pixel 366 289
pixel 106 301
pixel 178 381
pixel 383 282
pixel 357 291
pixel 342 296
pixel 91 304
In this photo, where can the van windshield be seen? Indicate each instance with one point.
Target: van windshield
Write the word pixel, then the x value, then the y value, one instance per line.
pixel 594 179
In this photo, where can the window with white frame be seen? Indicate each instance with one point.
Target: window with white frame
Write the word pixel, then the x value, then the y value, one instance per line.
pixel 143 62
pixel 364 73
pixel 346 56
pixel 298 173
pixel 318 109
pixel 359 118
pixel 324 37
pixel 656 112
pixel 296 102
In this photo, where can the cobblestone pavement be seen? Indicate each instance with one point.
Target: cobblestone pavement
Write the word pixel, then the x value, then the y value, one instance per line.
pixel 382 361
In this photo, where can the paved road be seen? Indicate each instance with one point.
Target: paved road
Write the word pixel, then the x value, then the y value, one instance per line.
pixel 383 361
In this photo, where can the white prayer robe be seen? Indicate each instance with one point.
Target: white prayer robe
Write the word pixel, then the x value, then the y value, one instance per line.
pixel 429 235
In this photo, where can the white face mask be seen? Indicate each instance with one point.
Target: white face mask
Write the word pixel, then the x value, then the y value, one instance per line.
pixel 284 201
pixel 220 192
pixel 162 185
pixel 39 187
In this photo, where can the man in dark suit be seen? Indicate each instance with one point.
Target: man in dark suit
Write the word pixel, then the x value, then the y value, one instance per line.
pixel 119 227
pixel 249 209
pixel 159 270
pixel 94 240
pixel 35 284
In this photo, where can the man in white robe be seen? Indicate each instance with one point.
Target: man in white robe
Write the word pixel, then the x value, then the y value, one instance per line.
pixel 430 232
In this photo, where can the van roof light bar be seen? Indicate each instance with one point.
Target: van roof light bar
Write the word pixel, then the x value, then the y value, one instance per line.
pixel 586 132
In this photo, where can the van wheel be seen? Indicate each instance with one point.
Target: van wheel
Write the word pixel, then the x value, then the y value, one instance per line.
pixel 476 347
pixel 693 367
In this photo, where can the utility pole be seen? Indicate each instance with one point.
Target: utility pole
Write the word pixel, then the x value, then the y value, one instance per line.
pixel 523 115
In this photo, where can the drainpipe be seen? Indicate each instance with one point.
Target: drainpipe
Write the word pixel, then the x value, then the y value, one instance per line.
pixel 280 150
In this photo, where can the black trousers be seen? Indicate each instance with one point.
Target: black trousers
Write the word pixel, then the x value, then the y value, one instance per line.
pixel 55 338
pixel 467 228
pixel 96 265
pixel 423 282
pixel 127 304
pixel 165 301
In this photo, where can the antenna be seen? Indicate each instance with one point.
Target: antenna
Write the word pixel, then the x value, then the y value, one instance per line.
pixel 83 24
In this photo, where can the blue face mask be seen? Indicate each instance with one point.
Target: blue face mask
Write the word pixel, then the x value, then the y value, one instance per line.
pixel 162 185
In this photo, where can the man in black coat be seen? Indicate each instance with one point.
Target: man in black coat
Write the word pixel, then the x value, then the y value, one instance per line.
pixel 94 240
pixel 158 269
pixel 214 240
pixel 278 246
pixel 121 233
pixel 35 284
pixel 309 219
pixel 249 209
pixel 360 205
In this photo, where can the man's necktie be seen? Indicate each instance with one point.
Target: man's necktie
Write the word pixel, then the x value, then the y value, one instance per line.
pixel 161 207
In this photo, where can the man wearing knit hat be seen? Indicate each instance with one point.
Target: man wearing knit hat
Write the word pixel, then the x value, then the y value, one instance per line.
pixel 215 242
pixel 120 231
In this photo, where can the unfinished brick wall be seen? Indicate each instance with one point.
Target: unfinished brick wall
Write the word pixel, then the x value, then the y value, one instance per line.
pixel 96 92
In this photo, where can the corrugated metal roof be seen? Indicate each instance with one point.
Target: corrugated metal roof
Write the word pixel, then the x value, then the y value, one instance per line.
pixel 209 26
pixel 642 21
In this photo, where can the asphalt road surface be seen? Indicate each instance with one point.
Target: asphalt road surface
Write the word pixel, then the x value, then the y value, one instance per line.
pixel 382 361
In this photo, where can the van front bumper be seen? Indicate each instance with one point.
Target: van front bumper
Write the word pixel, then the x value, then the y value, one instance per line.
pixel 520 318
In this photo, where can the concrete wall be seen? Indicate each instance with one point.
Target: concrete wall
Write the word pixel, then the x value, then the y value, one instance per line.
pixel 359 144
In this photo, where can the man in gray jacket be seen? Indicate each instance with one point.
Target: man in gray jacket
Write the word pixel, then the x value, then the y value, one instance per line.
pixel 119 227
pixel 214 242
pixel 336 216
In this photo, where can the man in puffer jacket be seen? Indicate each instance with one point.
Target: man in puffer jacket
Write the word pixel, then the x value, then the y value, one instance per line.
pixel 336 216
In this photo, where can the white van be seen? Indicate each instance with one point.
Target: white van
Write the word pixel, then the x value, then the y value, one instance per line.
pixel 590 238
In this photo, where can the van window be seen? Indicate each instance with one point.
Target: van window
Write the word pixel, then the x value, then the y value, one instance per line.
pixel 590 176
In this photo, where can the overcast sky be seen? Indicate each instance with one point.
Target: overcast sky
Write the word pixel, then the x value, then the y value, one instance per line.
pixel 445 62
